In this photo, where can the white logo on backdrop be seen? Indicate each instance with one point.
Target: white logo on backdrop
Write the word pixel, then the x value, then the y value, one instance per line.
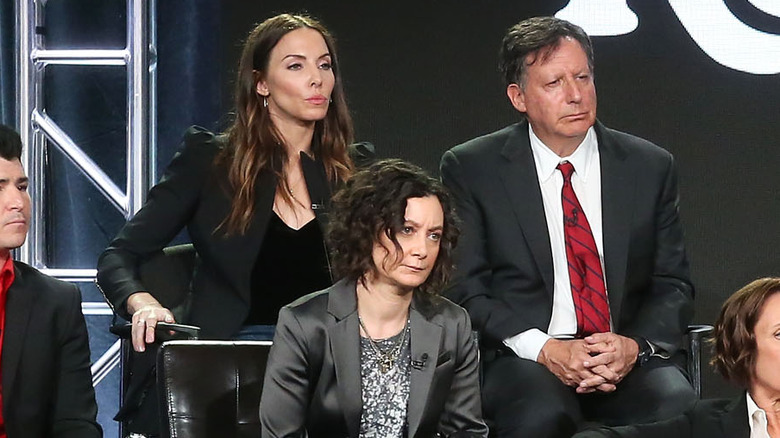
pixel 711 25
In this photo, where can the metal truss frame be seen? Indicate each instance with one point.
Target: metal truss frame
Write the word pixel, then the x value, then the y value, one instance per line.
pixel 38 131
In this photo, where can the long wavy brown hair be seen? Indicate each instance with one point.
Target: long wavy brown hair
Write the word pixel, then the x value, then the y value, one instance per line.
pixel 254 144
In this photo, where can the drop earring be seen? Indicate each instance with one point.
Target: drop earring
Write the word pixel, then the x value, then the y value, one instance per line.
pixel 265 102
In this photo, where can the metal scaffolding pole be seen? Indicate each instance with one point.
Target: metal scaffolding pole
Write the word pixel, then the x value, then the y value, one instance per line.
pixel 38 132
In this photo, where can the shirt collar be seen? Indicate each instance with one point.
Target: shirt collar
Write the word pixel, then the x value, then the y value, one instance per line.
pixel 546 160
pixel 756 415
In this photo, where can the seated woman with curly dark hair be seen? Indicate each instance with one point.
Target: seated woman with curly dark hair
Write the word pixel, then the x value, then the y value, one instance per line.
pixel 380 353
pixel 747 354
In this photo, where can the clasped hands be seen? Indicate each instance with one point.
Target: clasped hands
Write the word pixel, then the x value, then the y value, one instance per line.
pixel 596 363
pixel 147 312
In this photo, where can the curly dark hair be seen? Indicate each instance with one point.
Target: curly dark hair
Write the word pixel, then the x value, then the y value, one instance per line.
pixel 373 202
pixel 734 338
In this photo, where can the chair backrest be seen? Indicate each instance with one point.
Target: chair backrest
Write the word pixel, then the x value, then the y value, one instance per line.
pixel 211 388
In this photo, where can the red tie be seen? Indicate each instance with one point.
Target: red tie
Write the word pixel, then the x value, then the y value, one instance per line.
pixel 585 275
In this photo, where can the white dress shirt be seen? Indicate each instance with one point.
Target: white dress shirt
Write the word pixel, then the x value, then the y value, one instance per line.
pixel 759 428
pixel 586 182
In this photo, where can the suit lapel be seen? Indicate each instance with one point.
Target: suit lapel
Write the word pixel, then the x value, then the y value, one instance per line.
pixel 320 194
pixel 617 191
pixel 521 185
pixel 426 339
pixel 344 339
pixel 316 184
pixel 18 306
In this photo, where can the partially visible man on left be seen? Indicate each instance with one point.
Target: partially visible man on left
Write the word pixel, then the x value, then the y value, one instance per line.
pixel 45 381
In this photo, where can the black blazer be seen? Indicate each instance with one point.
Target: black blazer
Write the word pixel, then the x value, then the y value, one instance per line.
pixel 505 269
pixel 193 193
pixel 707 419
pixel 47 384
pixel 312 380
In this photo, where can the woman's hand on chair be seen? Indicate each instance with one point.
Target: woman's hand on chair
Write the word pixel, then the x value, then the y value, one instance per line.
pixel 147 312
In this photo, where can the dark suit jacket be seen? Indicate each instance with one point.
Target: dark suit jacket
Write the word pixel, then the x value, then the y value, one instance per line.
pixel 193 193
pixel 707 419
pixel 312 380
pixel 47 385
pixel 505 271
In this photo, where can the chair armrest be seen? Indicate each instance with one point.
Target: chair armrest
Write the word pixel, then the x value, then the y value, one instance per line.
pixel 696 333
pixel 163 331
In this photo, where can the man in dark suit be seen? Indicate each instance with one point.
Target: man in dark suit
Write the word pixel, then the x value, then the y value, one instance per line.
pixel 46 383
pixel 572 264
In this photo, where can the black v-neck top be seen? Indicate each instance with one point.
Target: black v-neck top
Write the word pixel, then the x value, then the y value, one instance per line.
pixel 291 263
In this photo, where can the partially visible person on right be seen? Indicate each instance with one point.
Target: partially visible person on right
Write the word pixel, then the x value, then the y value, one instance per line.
pixel 747 354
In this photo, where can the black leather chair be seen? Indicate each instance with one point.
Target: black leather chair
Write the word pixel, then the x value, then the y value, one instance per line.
pixel 211 388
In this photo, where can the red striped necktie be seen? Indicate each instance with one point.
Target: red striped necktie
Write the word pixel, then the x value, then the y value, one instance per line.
pixel 585 274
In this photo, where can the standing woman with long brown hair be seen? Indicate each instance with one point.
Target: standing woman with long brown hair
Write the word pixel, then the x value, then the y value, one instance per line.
pixel 252 199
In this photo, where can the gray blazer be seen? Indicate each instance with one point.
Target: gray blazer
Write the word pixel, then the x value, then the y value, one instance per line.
pixel 312 380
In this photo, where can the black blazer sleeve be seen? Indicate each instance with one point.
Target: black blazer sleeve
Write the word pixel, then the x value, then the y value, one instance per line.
pixel 169 207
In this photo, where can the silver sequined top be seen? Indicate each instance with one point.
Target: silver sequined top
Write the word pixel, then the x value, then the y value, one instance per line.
pixel 385 395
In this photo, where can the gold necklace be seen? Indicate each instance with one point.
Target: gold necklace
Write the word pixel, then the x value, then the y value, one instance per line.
pixel 292 195
pixel 386 359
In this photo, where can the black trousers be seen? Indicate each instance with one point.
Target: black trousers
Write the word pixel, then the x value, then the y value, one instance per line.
pixel 521 398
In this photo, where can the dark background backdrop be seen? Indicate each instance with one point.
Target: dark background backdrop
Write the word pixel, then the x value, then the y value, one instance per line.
pixel 421 77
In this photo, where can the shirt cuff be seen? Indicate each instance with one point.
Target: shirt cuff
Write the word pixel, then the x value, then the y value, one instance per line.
pixel 528 344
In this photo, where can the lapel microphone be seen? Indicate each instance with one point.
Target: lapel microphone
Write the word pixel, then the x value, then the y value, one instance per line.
pixel 419 363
